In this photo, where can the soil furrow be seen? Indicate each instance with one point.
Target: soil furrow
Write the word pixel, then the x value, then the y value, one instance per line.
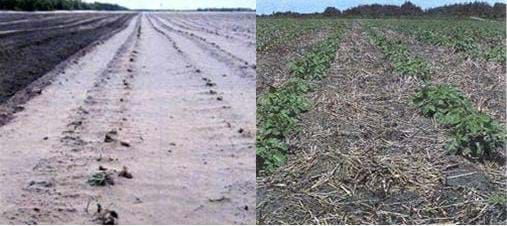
pixel 244 61
pixel 49 182
pixel 178 115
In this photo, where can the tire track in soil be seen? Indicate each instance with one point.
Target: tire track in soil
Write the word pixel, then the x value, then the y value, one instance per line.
pixel 238 30
pixel 227 124
pixel 189 120
pixel 166 23
pixel 56 190
pixel 214 33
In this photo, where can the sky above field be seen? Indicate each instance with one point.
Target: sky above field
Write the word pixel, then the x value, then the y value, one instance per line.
pixel 305 6
pixel 180 4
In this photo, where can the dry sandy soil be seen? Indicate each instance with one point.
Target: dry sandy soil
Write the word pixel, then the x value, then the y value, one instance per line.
pixel 171 97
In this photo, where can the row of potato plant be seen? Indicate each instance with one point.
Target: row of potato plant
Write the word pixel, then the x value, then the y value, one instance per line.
pixel 479 39
pixel 471 133
pixel 279 110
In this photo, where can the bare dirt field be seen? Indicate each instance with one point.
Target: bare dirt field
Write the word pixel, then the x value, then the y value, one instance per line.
pixel 158 107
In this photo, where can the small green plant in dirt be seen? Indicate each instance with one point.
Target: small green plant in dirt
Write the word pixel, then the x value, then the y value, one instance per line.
pixel 101 178
pixel 278 110
pixel 399 55
pixel 499 199
pixel 315 64
pixel 472 133
pixel 478 39
pixel 497 54
pixel 277 113
pixel 439 100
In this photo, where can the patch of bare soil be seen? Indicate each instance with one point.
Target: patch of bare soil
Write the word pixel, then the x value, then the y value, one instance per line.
pixel 29 61
pixel 152 126
pixel 273 65
pixel 366 156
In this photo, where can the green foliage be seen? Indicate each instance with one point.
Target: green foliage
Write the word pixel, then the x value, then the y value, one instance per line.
pixel 399 55
pixel 496 54
pixel 472 133
pixel 438 100
pixel 479 39
pixel 315 64
pixel 278 111
pixel 498 199
pixel 277 114
pixel 275 32
pixel 100 178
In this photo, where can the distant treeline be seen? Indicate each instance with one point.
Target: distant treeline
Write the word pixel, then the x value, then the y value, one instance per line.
pixel 45 5
pixel 224 9
pixel 408 9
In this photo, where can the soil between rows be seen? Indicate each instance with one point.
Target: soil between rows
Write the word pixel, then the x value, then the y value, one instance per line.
pixel 189 151
pixel 364 155
pixel 36 53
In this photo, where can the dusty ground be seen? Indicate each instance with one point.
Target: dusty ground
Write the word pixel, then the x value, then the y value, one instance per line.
pixel 364 155
pixel 161 100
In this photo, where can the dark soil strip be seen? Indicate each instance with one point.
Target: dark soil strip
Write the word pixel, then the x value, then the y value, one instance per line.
pixel 22 70
pixel 365 156
pixel 75 153
pixel 9 17
pixel 36 22
pixel 23 65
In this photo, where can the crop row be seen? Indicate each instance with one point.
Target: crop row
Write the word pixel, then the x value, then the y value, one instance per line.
pixel 278 111
pixel 274 32
pixel 472 133
pixel 479 39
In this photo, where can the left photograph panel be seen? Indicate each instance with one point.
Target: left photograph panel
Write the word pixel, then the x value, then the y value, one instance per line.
pixel 127 112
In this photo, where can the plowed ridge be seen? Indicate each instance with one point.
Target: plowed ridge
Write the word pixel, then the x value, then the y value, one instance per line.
pixel 177 111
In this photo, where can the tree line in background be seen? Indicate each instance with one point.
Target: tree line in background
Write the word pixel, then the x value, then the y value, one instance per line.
pixel 225 9
pixel 44 5
pixel 473 9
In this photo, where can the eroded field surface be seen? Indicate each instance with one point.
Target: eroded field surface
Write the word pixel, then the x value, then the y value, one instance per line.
pixel 160 110
pixel 351 146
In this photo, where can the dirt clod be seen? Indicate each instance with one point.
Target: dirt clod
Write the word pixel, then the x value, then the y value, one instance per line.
pixel 220 199
pixel 109 137
pixel 124 144
pixel 106 216
pixel 125 173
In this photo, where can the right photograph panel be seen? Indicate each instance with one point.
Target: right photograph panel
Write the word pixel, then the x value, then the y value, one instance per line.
pixel 381 112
